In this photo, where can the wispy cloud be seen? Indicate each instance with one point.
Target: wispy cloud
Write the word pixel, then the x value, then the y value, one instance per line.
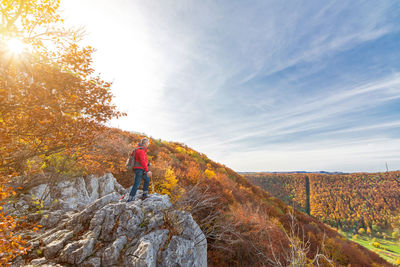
pixel 269 80
pixel 317 113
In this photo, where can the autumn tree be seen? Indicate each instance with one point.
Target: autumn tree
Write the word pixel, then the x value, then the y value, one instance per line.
pixel 51 100
pixel 169 185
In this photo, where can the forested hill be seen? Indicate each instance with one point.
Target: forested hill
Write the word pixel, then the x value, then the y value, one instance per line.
pixel 348 201
pixel 363 207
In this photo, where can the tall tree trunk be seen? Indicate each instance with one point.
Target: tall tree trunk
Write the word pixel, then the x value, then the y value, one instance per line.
pixel 307 184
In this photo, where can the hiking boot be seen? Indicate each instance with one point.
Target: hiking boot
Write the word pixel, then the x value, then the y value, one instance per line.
pixel 144 196
pixel 130 198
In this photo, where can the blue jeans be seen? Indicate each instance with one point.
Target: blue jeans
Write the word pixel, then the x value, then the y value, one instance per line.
pixel 139 174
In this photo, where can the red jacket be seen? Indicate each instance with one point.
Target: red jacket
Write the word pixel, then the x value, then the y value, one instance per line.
pixel 141 157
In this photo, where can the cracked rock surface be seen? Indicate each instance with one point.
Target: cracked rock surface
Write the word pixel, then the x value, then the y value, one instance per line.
pixel 90 225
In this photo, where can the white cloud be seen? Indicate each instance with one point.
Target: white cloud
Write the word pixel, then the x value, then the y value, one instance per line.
pixel 223 77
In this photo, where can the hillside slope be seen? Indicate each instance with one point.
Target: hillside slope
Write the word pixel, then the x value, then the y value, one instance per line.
pixel 244 225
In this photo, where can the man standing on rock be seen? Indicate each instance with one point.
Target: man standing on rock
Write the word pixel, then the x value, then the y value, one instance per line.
pixel 141 169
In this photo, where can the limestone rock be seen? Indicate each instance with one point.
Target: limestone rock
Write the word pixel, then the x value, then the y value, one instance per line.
pixel 112 253
pixel 90 226
pixel 56 242
pixel 180 252
pixel 77 251
pixel 38 262
pixel 92 262
pixel 145 253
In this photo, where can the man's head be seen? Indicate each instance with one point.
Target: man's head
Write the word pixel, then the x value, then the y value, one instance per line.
pixel 145 142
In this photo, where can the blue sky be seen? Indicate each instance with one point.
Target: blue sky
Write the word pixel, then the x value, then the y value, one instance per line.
pixel 257 86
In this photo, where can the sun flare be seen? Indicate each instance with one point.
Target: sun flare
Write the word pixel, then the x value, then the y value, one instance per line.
pixel 16 46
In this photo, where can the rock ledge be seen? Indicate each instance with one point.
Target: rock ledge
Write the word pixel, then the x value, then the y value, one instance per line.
pixel 85 223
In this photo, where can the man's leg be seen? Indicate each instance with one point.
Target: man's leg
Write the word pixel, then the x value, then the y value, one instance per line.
pixel 136 184
pixel 145 185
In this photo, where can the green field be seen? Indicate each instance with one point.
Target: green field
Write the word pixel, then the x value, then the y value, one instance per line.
pixel 388 249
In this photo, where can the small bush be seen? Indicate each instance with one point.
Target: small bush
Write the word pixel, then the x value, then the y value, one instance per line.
pixel 180 150
pixel 209 173
pixel 375 228
pixel 376 244
pixel 395 235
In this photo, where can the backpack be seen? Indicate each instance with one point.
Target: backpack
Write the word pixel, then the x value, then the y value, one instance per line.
pixel 130 162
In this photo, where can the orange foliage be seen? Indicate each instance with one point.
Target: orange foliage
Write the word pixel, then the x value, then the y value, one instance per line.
pixel 11 245
pixel 51 99
pixel 52 103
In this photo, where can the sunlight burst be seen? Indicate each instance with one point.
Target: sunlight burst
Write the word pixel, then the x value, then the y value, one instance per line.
pixel 16 46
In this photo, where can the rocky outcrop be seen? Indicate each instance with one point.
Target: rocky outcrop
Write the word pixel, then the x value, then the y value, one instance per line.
pixel 86 223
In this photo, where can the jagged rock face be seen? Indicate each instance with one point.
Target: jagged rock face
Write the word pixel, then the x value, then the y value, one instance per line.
pixel 91 226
